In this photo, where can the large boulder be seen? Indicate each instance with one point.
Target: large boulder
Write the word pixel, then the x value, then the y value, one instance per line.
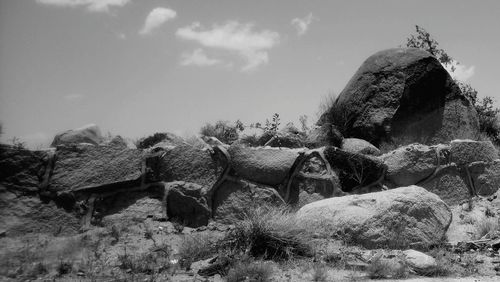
pixel 464 152
pixel 409 164
pixel 235 198
pixel 403 92
pixel 402 217
pixel 87 134
pixel 486 177
pixel 354 170
pixel 268 166
pixel 187 203
pixel 359 146
pixel 22 170
pixel 79 167
pixel 187 163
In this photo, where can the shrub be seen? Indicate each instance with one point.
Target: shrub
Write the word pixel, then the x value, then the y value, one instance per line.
pixel 194 248
pixel 64 267
pixel 271 233
pixel 320 273
pixel 486 226
pixel 444 266
pixel 222 130
pixel 253 271
pixel 150 141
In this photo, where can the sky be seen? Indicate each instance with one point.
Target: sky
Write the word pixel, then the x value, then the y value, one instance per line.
pixel 136 67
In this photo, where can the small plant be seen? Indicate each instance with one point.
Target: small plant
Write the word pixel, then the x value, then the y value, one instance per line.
pixel 320 273
pixel 17 143
pixel 222 130
pixel 194 248
pixel 271 233
pixel 38 270
pixel 485 227
pixel 115 233
pixel 444 266
pixel 257 271
pixel 273 126
pixel 64 267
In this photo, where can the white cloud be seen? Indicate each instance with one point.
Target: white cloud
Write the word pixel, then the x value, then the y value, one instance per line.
pixel 459 71
pixel 198 58
pixel 156 18
pixel 251 45
pixel 91 5
pixel 302 24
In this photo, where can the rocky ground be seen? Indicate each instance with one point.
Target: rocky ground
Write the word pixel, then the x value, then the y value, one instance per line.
pixel 417 204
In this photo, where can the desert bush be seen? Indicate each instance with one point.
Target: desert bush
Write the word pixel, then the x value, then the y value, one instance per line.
pixel 444 265
pixel 150 141
pixel 486 226
pixel 257 271
pixel 271 233
pixel 222 130
pixel 147 263
pixel 194 248
pixel 64 267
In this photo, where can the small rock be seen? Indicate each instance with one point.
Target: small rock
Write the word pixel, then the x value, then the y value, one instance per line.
pixel 420 262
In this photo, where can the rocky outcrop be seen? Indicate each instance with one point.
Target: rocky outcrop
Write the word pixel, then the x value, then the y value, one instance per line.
pixel 403 92
pixel 90 134
pixel 410 164
pixel 268 166
pixel 234 198
pixel 355 170
pixel 402 217
pixel 359 146
pixel 187 203
pixel 79 167
pixel 22 170
pixel 464 152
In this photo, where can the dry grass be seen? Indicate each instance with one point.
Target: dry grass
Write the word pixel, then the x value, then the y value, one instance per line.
pixel 320 273
pixel 194 248
pixel 271 233
pixel 486 227
pixel 258 271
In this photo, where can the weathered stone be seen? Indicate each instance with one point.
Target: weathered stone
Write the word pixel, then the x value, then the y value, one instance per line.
pixel 313 183
pixel 189 164
pixel 21 169
pixel 233 198
pixel 187 203
pixel 420 262
pixel 450 185
pixel 486 177
pixel 468 151
pixel 354 170
pixel 359 146
pixel 402 217
pixel 26 214
pixel 410 164
pixel 161 140
pixel 80 166
pixel 268 166
pixel 90 134
pixel 403 92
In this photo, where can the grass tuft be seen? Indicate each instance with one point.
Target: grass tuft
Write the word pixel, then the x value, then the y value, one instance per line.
pixel 486 226
pixel 257 271
pixel 270 233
